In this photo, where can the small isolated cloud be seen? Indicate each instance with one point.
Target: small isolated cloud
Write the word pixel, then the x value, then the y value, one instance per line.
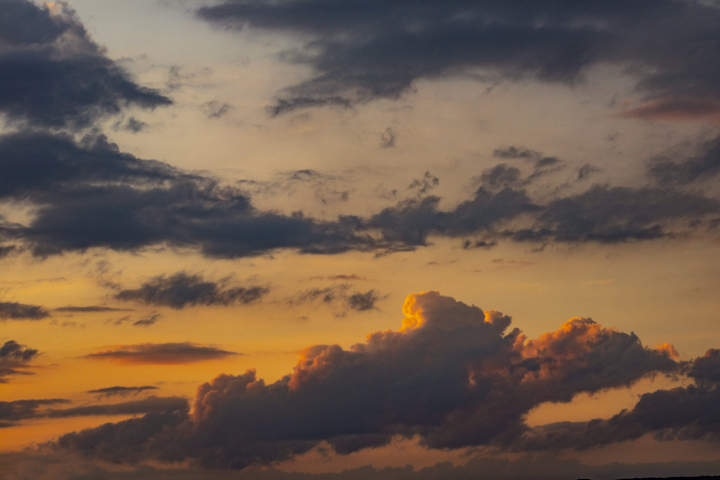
pixel 387 138
pixel 120 391
pixel 182 290
pixel 14 359
pixel 215 109
pixel 677 109
pixel 340 298
pixel 21 311
pixel 133 125
pixel 146 322
pixel 586 170
pixel 161 353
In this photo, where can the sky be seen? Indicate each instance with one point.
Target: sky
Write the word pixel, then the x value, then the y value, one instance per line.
pixel 333 240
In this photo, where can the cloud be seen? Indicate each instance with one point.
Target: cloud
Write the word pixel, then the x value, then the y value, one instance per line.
pixel 339 297
pixel 705 165
pixel 146 322
pixel 13 412
pixel 182 290
pixel 88 194
pixel 387 138
pixel 161 353
pixel 90 309
pixel 151 404
pixel 451 376
pixel 60 465
pixel 14 358
pixel 215 109
pixel 362 52
pixel 677 109
pixel 21 311
pixel 121 391
pixel 53 75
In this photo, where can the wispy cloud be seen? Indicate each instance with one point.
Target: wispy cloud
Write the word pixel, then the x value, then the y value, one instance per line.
pixel 161 353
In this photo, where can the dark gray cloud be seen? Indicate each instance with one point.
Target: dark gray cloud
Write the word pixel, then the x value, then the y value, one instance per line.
pixel 161 353
pixel 451 376
pixel 13 412
pixel 151 404
pixel 14 358
pixel 147 321
pixel 121 391
pixel 182 290
pixel 526 467
pixel 216 109
pixel 619 214
pixel 703 166
pixel 90 309
pixel 387 138
pixel 53 75
pixel 682 413
pixel 88 194
pixel 363 51
pixel 340 298
pixel 21 311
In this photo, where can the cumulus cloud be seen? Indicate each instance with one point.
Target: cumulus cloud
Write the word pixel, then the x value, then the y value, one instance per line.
pixel 361 52
pixel 452 376
pixel 53 75
pixel 161 353
pixel 182 290
pixel 14 359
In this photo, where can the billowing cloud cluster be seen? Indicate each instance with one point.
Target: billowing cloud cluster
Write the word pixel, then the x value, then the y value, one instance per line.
pixel 682 413
pixel 53 75
pixel 183 290
pixel 452 376
pixel 14 358
pixel 363 51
